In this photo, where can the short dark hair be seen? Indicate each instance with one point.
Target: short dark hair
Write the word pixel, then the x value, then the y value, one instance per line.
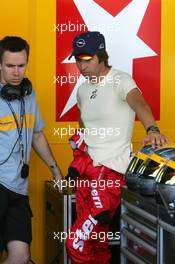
pixel 103 57
pixel 13 44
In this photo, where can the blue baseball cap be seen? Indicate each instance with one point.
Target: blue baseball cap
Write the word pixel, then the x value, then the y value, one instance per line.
pixel 87 44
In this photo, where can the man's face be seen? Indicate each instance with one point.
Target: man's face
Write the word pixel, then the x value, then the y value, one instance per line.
pixel 13 67
pixel 90 68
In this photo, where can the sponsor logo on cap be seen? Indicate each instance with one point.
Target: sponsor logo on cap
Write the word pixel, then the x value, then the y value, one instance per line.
pixel 101 46
pixel 80 43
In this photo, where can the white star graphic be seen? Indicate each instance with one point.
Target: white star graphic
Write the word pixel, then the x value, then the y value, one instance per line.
pixel 122 43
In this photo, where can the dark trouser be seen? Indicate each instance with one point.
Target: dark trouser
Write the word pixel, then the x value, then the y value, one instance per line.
pixel 15 217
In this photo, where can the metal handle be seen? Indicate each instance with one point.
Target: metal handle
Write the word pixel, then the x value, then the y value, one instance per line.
pixel 140 212
pixel 132 257
pixel 167 227
pixel 140 226
pixel 152 250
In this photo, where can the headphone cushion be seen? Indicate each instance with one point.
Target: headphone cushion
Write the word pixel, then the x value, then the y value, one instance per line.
pixel 26 87
pixel 11 92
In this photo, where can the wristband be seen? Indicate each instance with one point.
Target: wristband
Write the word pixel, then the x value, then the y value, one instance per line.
pixel 153 129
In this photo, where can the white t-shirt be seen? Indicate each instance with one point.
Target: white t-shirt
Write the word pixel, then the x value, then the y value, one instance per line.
pixel 108 119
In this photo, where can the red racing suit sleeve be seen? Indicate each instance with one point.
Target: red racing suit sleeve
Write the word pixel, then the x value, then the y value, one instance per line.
pixel 79 164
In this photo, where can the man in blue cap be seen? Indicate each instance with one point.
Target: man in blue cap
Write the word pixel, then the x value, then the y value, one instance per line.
pixel 108 101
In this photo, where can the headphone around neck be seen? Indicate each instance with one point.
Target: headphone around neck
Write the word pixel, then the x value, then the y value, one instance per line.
pixel 11 92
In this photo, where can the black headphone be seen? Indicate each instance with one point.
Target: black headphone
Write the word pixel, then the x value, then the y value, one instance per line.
pixel 11 92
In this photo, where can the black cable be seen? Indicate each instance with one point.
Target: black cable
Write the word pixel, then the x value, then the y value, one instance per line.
pixel 10 153
pixel 26 131
pixel 18 129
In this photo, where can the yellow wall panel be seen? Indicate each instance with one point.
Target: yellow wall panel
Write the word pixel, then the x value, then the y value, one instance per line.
pixel 167 67
pixel 167 90
pixel 14 18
